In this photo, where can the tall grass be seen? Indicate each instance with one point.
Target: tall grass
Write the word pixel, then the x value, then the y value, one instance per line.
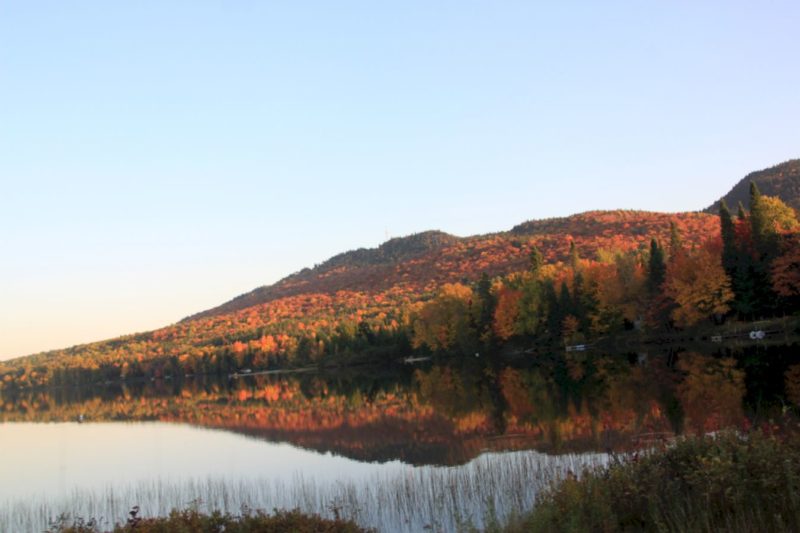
pixel 490 490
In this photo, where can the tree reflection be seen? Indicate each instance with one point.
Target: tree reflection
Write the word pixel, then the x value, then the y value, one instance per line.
pixel 449 414
pixel 711 392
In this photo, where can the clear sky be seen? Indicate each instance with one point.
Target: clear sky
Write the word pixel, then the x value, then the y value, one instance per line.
pixel 160 157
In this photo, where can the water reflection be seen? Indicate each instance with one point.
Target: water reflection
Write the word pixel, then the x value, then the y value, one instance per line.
pixel 110 467
pixel 449 414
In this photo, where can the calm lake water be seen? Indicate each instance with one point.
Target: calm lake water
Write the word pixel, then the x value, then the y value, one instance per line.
pixel 395 448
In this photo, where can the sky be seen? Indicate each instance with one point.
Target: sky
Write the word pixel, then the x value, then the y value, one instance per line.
pixel 159 157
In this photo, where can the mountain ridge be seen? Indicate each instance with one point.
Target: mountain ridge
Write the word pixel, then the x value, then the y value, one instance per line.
pixel 423 254
pixel 781 180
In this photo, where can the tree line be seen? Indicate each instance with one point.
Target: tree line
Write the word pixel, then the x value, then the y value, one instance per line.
pixel 750 270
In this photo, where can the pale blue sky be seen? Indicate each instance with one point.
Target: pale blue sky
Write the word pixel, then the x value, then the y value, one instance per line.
pixel 160 157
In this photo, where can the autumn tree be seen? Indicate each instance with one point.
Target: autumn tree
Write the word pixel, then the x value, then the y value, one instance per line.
pixel 630 286
pixel 698 285
pixel 447 322
pixel 778 217
pixel 785 271
pixel 769 219
pixel 531 313
pixel 606 314
pixel 506 313
pixel 759 220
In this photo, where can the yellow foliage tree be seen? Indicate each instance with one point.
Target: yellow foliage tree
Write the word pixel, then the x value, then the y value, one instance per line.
pixel 778 216
pixel 697 283
pixel 445 322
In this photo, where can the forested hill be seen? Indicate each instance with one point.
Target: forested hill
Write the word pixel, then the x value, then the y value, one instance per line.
pixel 561 279
pixel 328 276
pixel 365 303
pixel 423 261
pixel 781 180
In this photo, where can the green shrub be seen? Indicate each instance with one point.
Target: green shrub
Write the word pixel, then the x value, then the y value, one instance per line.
pixel 728 482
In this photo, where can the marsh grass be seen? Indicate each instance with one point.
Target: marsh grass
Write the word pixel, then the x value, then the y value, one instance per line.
pixel 193 521
pixel 485 492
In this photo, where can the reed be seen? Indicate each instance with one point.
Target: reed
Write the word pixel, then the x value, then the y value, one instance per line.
pixel 490 490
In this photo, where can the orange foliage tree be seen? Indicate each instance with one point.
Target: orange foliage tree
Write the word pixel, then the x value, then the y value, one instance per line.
pixel 786 271
pixel 506 312
pixel 697 283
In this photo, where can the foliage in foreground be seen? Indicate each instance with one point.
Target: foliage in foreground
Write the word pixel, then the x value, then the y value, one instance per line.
pixel 192 521
pixel 728 482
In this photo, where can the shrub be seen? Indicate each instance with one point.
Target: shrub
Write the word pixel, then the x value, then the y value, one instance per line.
pixel 192 521
pixel 727 482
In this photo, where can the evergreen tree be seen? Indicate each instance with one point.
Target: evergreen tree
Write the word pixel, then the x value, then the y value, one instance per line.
pixel 736 261
pixel 536 260
pixel 758 221
pixel 564 301
pixel 744 287
pixel 488 304
pixel 553 307
pixel 574 257
pixel 657 268
pixel 587 301
pixel 730 248
pixel 533 306
pixel 675 240
pixel 741 214
pixel 765 245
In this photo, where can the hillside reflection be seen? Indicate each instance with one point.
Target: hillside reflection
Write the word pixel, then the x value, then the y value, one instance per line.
pixel 449 414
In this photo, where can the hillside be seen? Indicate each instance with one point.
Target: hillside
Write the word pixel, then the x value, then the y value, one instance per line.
pixel 352 303
pixel 367 304
pixel 423 261
pixel 392 252
pixel 781 180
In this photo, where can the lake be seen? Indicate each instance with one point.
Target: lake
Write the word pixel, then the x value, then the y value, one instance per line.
pixel 398 448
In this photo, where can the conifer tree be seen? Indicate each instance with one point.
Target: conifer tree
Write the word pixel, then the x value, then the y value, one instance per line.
pixel 765 244
pixel 675 240
pixel 741 213
pixel 574 257
pixel 564 301
pixel 536 260
pixel 730 247
pixel 488 304
pixel 758 220
pixel 657 268
pixel 554 313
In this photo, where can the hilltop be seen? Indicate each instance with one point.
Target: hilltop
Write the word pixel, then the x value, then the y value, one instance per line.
pixel 781 180
pixel 392 252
